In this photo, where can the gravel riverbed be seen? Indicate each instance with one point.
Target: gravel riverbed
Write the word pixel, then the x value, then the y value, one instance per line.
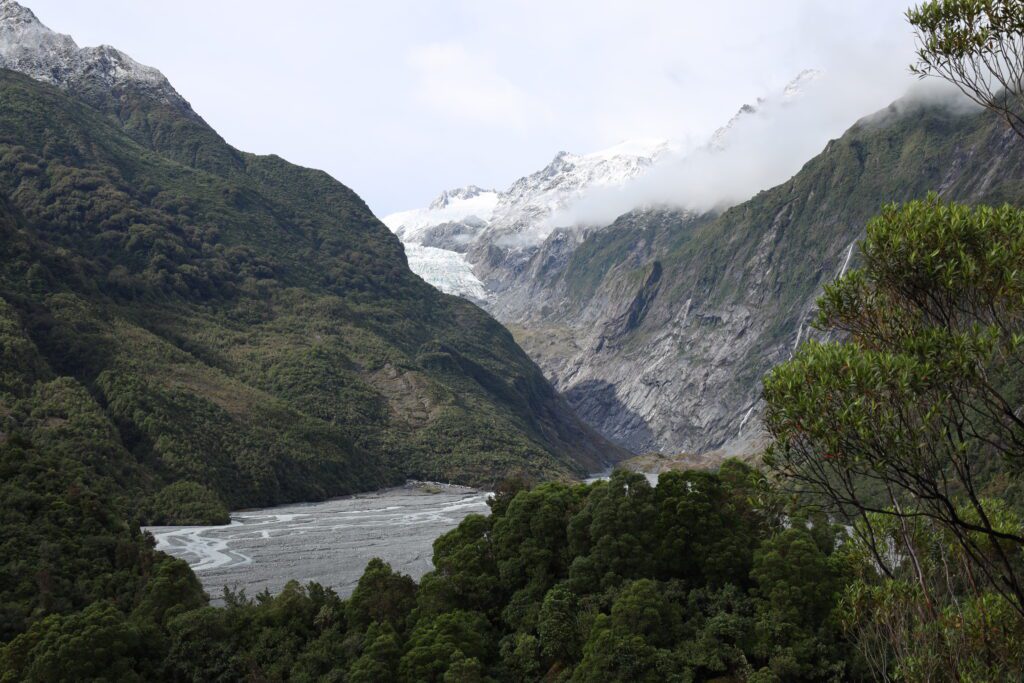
pixel 328 542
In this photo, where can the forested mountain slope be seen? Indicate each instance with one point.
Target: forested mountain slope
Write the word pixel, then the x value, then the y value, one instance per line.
pixel 243 323
pixel 659 327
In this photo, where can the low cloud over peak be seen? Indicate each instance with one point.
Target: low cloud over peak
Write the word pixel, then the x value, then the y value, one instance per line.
pixel 762 146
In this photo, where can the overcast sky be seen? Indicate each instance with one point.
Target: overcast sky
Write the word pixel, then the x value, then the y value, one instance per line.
pixel 400 100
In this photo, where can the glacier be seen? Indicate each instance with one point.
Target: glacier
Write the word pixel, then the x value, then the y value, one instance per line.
pixel 447 270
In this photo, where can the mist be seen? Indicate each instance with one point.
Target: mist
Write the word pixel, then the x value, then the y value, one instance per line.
pixel 761 149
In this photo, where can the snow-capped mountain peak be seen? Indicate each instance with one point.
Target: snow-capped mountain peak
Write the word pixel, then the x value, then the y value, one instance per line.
pixel 447 197
pixel 522 217
pixel 568 173
pixel 469 208
pixel 29 47
pixel 638 147
pixel 797 86
pixel 529 198
pixel 25 41
pixel 437 237
pixel 792 91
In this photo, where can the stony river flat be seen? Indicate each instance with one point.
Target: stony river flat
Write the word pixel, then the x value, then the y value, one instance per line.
pixel 328 542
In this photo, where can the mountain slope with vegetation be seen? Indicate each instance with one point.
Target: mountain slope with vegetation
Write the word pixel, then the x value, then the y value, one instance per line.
pixel 247 325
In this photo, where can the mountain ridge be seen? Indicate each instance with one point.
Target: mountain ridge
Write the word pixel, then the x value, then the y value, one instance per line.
pixel 29 47
pixel 244 324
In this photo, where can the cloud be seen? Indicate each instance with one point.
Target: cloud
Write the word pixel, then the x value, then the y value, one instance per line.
pixel 762 148
pixel 456 83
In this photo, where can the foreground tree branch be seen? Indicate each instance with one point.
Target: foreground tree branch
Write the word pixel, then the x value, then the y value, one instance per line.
pixel 978 46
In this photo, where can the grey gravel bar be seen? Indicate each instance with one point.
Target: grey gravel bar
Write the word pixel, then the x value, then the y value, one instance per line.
pixel 328 542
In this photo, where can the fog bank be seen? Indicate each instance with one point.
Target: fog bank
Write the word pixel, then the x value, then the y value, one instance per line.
pixel 763 146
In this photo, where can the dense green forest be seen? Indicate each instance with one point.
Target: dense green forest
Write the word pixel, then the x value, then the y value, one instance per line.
pixel 693 579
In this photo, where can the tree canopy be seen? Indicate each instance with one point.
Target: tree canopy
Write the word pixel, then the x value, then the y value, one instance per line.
pixel 978 46
pixel 910 426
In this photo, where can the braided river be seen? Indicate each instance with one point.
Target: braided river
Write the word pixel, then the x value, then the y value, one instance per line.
pixel 328 542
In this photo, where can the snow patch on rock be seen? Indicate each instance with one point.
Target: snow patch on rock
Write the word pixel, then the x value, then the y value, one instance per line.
pixel 452 206
pixel 30 48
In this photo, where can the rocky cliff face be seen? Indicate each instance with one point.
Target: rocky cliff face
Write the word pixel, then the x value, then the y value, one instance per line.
pixel 527 214
pixel 659 327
